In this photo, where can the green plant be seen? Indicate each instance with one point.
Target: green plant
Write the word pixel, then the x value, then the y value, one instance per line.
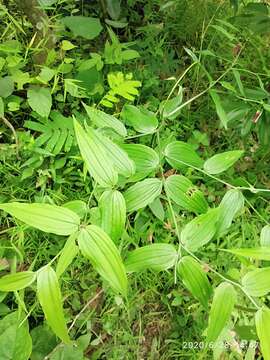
pixel 127 210
pixel 111 168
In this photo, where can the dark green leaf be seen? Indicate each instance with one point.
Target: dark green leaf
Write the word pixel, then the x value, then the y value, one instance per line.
pixel 86 27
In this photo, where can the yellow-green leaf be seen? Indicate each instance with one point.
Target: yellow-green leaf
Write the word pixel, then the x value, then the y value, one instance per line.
pixel 221 162
pixel 95 156
pixel 142 193
pixel 49 296
pixel 265 236
pixel 69 251
pixel 231 204
pixel 49 218
pixel 262 320
pixel 156 257
pixel 200 230
pixel 221 309
pixel 257 282
pixel 180 154
pixel 117 156
pixel 113 213
pixel 145 158
pixel 195 279
pixel 17 281
pixel 98 247
pixel 259 253
pixel 103 120
pixel 181 190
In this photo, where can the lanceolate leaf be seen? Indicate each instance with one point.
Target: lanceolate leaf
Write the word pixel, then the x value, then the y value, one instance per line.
pixel 231 204
pixel 156 257
pixel 49 218
pixel 69 251
pixel 265 236
pixel 117 156
pixel 157 209
pixel 103 120
pixel 200 230
pixel 181 190
pixel 220 111
pixel 259 253
pixel 142 194
pixel 257 282
pixel 49 296
pixel 221 309
pixel 17 281
pixel 145 158
pixel 95 156
pixel 195 279
pixel 113 213
pixel 97 246
pixel 221 162
pixel 262 320
pixel 180 154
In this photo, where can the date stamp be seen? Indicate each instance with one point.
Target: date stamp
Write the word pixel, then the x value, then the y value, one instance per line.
pixel 243 344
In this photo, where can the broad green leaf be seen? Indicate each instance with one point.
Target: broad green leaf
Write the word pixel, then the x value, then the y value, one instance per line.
pixel 221 162
pixel 200 230
pixel 15 340
pixel 142 193
pixel 17 281
pixel 117 156
pixel 221 309
pixel 113 213
pixel 77 206
pixel 97 246
pixel 84 26
pixel 257 282
pixel 181 190
pixel 95 156
pixel 49 296
pixel 2 108
pixel 259 253
pixel 262 321
pixel 6 86
pixel 140 119
pixel 155 257
pixel 40 100
pixel 231 204
pixel 265 236
pixel 195 279
pixel 49 218
pixel 180 154
pixel 145 158
pixel 44 341
pixel 219 108
pixel 114 8
pixel 69 251
pixel 103 120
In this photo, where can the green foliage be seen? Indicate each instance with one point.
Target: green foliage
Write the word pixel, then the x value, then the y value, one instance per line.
pixel 135 180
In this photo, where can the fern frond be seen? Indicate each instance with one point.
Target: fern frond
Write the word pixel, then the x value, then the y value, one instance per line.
pixel 57 133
